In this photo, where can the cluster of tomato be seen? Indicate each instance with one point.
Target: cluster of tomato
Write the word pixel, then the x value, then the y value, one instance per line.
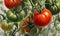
pixel 53 6
pixel 26 25
pixel 40 19
pixel 7 26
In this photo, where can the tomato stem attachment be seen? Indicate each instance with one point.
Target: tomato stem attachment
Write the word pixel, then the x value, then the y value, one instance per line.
pixel 12 0
pixel 41 5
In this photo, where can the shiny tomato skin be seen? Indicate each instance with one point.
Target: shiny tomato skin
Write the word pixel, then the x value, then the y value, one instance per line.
pixel 12 3
pixel 42 19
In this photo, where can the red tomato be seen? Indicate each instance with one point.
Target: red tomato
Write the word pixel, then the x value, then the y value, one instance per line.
pixel 25 22
pixel 12 3
pixel 42 19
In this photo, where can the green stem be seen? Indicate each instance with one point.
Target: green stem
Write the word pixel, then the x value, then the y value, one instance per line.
pixel 1 2
pixel 3 16
pixel 53 1
pixel 31 2
pixel 5 34
pixel 34 6
pixel 3 10
pixel 39 30
pixel 39 2
pixel 55 23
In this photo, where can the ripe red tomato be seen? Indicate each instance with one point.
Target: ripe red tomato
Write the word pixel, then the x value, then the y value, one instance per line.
pixel 12 3
pixel 42 19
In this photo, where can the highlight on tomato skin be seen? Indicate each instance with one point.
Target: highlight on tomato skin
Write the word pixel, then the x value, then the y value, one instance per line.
pixel 42 19
pixel 12 3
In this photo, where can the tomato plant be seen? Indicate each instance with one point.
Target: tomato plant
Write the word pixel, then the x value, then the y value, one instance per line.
pixel 53 6
pixel 42 19
pixel 12 3
pixel 6 26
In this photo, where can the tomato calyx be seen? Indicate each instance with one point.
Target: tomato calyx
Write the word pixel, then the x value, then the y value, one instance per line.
pixel 36 12
pixel 12 0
